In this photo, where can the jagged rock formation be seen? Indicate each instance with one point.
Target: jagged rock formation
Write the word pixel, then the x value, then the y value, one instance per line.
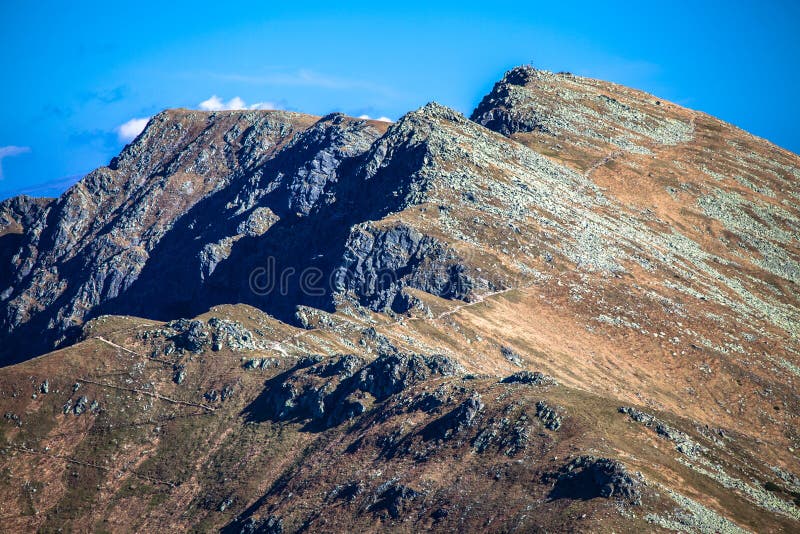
pixel 17 216
pixel 276 322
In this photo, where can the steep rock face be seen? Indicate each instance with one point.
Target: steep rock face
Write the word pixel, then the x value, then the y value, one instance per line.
pixel 378 263
pixel 92 243
pixel 234 245
pixel 17 215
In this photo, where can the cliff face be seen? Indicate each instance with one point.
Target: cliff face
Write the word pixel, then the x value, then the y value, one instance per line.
pixel 399 288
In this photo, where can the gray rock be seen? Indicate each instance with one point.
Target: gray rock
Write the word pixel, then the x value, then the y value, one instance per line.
pixel 328 392
pixel 11 416
pixel 455 422
pixel 527 377
pixel 269 525
pixel 253 363
pixel 80 405
pixel 379 263
pixel 347 492
pixel 390 374
pixel 393 498
pixel 509 438
pixel 191 336
pixel 683 443
pixel 548 416
pixel 180 374
pixel 587 477
pixel 511 356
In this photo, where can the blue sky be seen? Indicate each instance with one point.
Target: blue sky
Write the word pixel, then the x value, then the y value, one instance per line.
pixel 73 73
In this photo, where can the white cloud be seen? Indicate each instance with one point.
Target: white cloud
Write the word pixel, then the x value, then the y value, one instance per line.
pixel 382 119
pixel 127 132
pixel 215 103
pixel 263 105
pixel 8 151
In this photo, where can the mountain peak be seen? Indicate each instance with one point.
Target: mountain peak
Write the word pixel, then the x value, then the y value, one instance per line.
pixel 521 75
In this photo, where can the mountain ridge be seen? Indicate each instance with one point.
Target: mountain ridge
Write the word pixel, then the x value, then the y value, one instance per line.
pixel 584 298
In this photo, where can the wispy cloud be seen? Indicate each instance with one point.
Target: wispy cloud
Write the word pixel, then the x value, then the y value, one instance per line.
pixel 382 119
pixel 52 188
pixel 11 150
pixel 106 96
pixel 215 103
pixel 302 77
pixel 128 131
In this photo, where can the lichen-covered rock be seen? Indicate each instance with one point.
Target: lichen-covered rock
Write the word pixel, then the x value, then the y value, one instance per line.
pixel 267 525
pixel 392 497
pixel 379 263
pixel 507 436
pixel 191 335
pixel 347 492
pixel 456 421
pixel 390 374
pixel 328 392
pixel 549 417
pixel 344 366
pixel 232 334
pixel 179 374
pixel 683 443
pixel 511 356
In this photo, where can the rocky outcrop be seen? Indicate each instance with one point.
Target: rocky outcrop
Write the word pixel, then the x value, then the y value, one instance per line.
pixel 327 392
pixel 379 263
pixel 456 421
pixel 392 497
pixel 392 373
pixel 587 477
pixel 183 335
pixel 683 443
pixel 498 110
pixel 97 238
pixel 504 434
pixel 20 213
pixel 534 378
pixel 549 417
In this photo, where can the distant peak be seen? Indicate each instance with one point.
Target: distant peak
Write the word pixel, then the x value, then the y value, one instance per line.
pixel 438 111
pixel 335 118
pixel 521 75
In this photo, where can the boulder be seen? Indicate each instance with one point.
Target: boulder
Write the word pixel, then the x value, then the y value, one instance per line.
pixel 587 477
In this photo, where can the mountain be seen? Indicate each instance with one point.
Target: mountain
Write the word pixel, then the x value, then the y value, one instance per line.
pixel 575 310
